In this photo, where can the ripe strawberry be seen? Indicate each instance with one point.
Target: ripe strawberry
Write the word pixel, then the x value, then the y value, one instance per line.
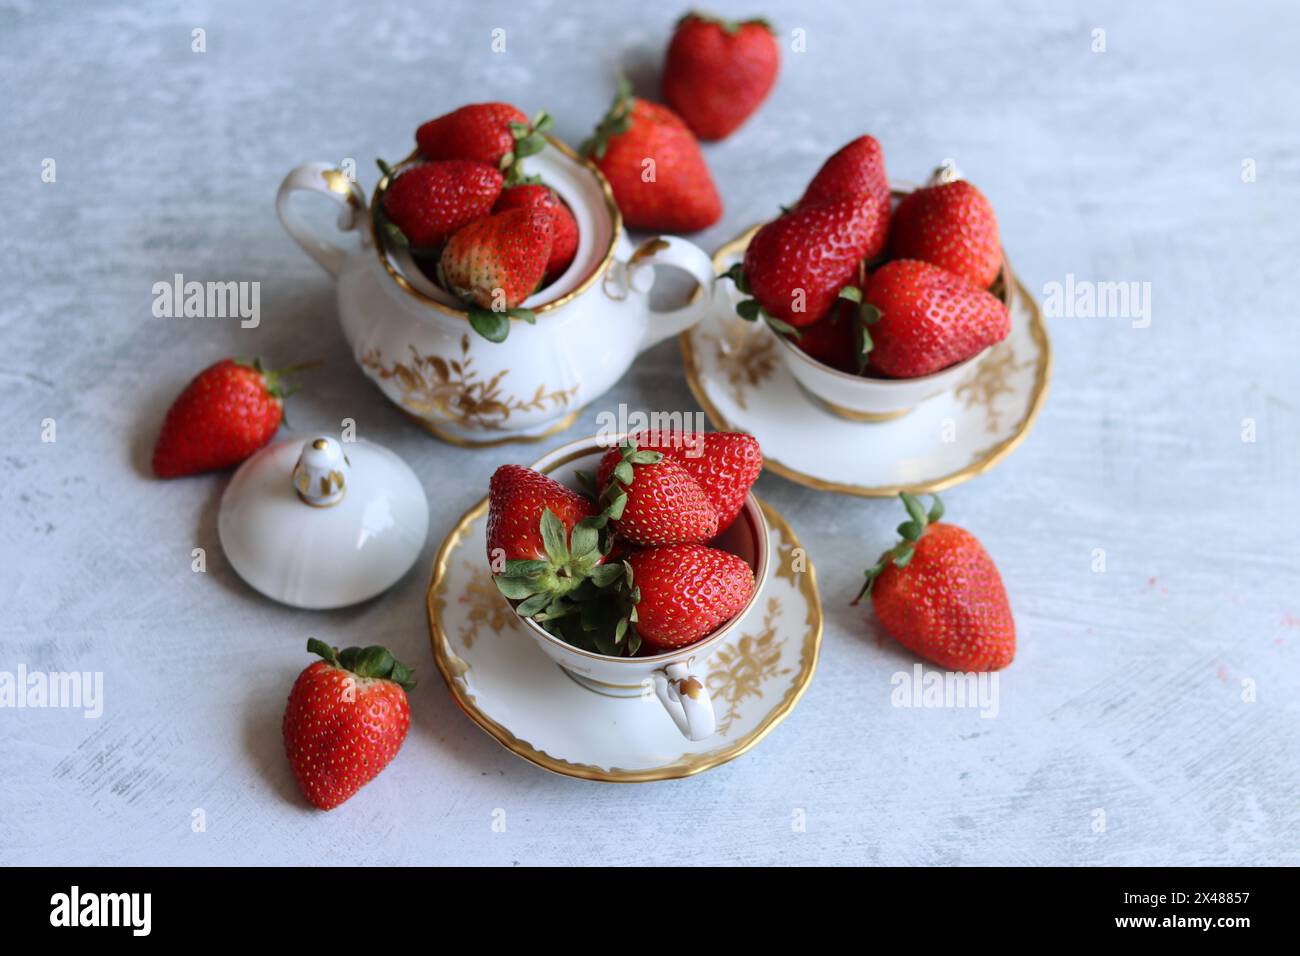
pixel 227 412
pixel 346 719
pixel 653 500
pixel 831 340
pixel 949 224
pixel 796 265
pixel 929 319
pixel 938 593
pixel 724 464
pixel 497 134
pixel 427 203
pixel 541 543
pixel 654 166
pixel 858 169
pixel 686 591
pixel 495 264
pixel 564 228
pixel 717 72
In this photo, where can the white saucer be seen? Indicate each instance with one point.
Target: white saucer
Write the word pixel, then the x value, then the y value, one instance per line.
pixel 738 377
pixel 511 689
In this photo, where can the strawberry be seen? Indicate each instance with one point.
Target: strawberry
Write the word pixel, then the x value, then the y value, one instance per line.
pixel 427 203
pixel 724 464
pixel 857 169
pixel 517 499
pixel 227 412
pixel 564 228
pixel 717 72
pixel 346 719
pixel 938 593
pixel 495 264
pixel 685 592
pixel 497 134
pixel 929 319
pixel 548 549
pixel 796 265
pixel 654 166
pixel 653 500
pixel 831 340
pixel 950 224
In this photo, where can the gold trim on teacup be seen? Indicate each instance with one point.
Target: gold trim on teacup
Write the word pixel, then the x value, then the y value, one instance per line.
pixel 850 414
pixel 616 230
pixel 453 670
pixel 991 456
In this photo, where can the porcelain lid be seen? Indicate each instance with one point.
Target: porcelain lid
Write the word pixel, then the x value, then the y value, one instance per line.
pixel 320 524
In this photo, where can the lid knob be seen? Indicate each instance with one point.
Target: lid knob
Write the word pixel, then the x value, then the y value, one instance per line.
pixel 321 475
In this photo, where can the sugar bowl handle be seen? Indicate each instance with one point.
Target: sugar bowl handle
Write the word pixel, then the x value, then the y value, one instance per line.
pixel 687 701
pixel 676 253
pixel 333 182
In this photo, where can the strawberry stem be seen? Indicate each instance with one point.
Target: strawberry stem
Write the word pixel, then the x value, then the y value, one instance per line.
pixel 911 531
pixel 373 662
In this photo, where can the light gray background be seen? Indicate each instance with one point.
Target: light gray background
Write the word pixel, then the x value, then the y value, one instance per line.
pixel 1126 694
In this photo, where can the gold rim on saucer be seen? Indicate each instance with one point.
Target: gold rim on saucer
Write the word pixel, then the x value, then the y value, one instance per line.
pixel 453 669
pixel 990 457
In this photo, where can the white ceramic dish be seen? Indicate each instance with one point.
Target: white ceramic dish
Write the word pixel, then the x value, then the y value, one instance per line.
pixel 744 381
pixel 416 343
pixel 506 683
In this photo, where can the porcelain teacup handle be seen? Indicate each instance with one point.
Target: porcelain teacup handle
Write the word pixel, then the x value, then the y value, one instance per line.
pixel 333 182
pixel 687 701
pixel 639 277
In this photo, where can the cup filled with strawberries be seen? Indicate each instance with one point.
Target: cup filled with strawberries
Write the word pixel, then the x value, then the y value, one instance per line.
pixel 881 297
pixel 631 560
pixel 493 291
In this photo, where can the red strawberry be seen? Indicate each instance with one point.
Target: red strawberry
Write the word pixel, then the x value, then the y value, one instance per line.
pixel 686 591
pixel 226 413
pixel 660 502
pixel 564 228
pixel 717 72
pixel 952 225
pixel 346 719
pixel 517 497
pixel 858 169
pixel 938 593
pixel 831 340
pixel 796 265
pixel 724 464
pixel 929 319
pixel 654 166
pixel 429 202
pixel 495 264
pixel 479 131
pixel 540 543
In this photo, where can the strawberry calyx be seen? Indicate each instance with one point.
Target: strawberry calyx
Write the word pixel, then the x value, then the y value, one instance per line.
pixel 750 310
pixel 495 326
pixel 544 586
pixel 373 662
pixel 616 121
pixel 867 316
pixel 911 531
pixel 530 139
pixel 729 27
pixel 275 381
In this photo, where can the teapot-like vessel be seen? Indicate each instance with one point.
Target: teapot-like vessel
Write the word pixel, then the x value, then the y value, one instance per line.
pixel 415 342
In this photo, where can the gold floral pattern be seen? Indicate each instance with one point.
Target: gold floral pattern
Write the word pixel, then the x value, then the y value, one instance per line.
pixel 487 608
pixel 453 390
pixel 745 356
pixel 990 382
pixel 738 670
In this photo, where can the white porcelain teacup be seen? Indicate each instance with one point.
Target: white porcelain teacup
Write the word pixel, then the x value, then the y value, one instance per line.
pixel 676 677
pixel 415 342
pixel 862 398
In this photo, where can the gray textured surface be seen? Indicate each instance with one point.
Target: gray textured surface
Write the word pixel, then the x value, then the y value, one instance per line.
pixel 1126 695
